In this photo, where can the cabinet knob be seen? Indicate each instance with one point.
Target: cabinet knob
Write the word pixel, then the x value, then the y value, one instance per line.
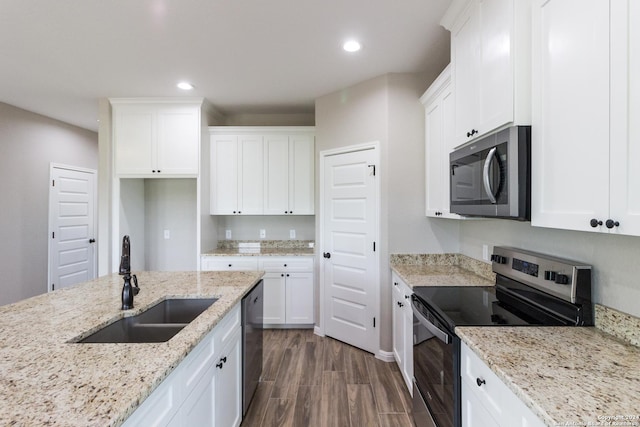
pixel 282 275
pixel 239 212
pixel 92 240
pixel 219 365
pixel 287 274
pixel 480 382
pixel 159 170
pixel 400 304
pixel 234 211
pixel 285 265
pixel 611 223
pixel 327 255
pixel 229 265
pixel 407 296
pixel 395 283
pixel 594 222
pixel 290 212
pixel 286 212
pixel 153 171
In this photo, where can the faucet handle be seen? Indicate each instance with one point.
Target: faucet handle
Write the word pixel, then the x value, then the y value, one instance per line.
pixel 136 289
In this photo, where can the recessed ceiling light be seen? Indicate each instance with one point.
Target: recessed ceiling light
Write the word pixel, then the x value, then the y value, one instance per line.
pixel 352 46
pixel 185 85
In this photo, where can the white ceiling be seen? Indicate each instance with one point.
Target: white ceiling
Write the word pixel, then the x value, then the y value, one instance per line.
pixel 57 58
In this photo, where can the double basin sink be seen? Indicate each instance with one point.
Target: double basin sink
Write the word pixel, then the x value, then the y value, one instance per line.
pixel 156 324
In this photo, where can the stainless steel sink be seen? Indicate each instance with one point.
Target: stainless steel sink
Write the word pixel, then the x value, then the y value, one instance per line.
pixel 157 324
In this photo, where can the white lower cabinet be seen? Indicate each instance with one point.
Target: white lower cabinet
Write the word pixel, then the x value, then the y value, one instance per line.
pixel 205 388
pixel 288 284
pixel 403 329
pixel 288 290
pixel 486 400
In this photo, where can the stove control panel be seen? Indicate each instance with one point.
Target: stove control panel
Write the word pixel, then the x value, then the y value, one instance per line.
pixel 560 277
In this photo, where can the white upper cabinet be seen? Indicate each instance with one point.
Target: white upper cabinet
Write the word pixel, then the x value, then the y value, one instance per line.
pixel 156 138
pixel 584 141
pixel 236 175
pixel 439 104
pixel 272 174
pixel 490 60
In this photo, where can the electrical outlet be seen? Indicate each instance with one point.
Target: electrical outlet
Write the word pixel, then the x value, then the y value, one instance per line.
pixel 167 234
pixel 292 234
pixel 485 252
pixel 227 234
pixel 263 233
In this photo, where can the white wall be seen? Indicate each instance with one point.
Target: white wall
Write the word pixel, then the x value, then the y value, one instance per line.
pixel 387 109
pixel 275 119
pixel 276 227
pixel 615 259
pixel 28 144
pixel 170 204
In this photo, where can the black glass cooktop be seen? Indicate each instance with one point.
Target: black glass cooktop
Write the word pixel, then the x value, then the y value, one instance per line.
pixel 471 306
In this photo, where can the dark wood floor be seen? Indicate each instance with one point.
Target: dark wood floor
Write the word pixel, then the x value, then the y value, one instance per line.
pixel 309 380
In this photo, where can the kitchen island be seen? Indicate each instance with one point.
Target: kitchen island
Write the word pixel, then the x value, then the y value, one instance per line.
pixel 48 379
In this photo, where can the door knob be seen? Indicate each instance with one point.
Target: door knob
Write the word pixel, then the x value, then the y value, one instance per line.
pixel 326 255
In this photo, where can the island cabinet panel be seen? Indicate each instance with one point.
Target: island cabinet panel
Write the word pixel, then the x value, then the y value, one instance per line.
pixel 155 138
pixel 205 388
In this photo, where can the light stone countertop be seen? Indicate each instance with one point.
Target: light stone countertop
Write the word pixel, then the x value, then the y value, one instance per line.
pixel 441 270
pixel 566 375
pixel 262 252
pixel 46 380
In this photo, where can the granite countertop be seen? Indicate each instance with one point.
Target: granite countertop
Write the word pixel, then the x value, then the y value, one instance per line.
pixel 574 376
pixel 441 270
pixel 262 252
pixel 48 380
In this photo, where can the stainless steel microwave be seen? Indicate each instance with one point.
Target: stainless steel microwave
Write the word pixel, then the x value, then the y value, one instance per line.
pixel 491 177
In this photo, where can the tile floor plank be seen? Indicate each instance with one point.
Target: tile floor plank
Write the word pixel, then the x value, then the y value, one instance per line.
pixel 395 420
pixel 334 403
pixel 308 408
pixel 362 406
pixel 384 387
pixel 279 413
pixel 334 355
pixel 356 366
pixel 313 363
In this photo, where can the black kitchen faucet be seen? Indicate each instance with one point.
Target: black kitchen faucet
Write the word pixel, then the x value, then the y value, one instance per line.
pixel 128 291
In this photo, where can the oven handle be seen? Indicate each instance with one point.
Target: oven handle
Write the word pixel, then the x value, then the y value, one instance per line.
pixel 485 175
pixel 437 332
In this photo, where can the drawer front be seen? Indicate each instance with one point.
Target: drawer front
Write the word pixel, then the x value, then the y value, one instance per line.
pixel 199 360
pixel 486 385
pixel 220 263
pixel 286 264
pixel 224 330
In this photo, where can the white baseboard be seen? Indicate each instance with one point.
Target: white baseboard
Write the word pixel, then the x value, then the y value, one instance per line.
pixel 385 356
pixel 318 331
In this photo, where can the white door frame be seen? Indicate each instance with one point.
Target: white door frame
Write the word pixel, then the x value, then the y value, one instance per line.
pixel 375 146
pixel 94 172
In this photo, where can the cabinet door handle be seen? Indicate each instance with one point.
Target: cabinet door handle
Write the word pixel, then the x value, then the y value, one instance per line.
pixel 219 365
pixel 594 222
pixel 611 223
pixel 92 240
pixel 480 382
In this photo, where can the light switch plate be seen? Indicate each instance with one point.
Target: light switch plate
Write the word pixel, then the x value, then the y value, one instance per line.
pixel 292 234
pixel 485 252
pixel 227 234
pixel 263 233
pixel 167 234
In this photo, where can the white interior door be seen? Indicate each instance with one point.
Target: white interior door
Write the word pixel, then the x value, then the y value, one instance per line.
pixel 72 255
pixel 350 282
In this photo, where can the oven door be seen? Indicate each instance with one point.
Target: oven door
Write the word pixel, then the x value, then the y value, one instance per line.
pixel 435 369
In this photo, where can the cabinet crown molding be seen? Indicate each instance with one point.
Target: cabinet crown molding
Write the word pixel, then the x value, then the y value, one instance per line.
pixel 438 85
pixel 455 10
pixel 181 101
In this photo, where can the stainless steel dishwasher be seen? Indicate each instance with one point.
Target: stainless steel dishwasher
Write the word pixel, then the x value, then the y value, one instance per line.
pixel 252 313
